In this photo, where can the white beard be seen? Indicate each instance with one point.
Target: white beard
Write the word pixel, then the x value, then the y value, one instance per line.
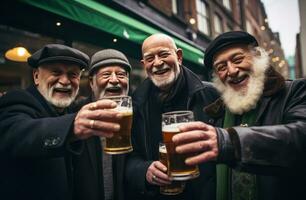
pixel 59 103
pixel 242 101
pixel 165 83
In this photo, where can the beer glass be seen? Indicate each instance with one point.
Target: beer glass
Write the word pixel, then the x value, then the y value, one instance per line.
pixel 176 187
pixel 120 143
pixel 177 167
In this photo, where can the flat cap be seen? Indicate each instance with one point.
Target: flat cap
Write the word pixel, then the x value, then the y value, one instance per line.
pixel 225 40
pixel 58 53
pixel 108 57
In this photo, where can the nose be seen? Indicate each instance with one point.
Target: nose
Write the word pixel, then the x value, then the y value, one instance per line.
pixel 232 70
pixel 113 79
pixel 64 79
pixel 157 61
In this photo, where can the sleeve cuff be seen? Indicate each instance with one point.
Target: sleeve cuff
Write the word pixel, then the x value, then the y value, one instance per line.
pixel 228 145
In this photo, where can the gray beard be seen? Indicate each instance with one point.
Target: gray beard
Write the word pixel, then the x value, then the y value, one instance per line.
pixel 239 102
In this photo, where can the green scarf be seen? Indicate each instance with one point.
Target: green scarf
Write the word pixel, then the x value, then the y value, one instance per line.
pixel 223 172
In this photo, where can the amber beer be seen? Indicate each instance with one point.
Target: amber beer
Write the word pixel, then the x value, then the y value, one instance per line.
pixel 121 141
pixel 176 187
pixel 178 169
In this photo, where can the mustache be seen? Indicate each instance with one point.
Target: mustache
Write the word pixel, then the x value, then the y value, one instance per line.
pixel 113 87
pixel 237 78
pixel 162 67
pixel 60 86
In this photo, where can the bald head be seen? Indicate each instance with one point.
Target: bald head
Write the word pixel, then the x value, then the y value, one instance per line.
pixel 161 60
pixel 158 39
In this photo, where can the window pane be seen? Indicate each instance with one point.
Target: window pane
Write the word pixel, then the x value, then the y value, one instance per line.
pixel 202 17
pixel 227 4
pixel 174 7
pixel 218 24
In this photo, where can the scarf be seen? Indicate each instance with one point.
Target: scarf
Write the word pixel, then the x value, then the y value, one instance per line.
pixel 224 173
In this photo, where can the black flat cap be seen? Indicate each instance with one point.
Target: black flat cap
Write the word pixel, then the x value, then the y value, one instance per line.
pixel 58 53
pixel 225 40
pixel 108 57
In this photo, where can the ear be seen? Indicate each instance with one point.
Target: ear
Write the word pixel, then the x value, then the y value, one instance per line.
pixel 179 54
pixel 35 76
pixel 142 62
pixel 90 78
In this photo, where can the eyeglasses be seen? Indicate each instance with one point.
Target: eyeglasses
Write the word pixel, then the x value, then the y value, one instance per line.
pixel 108 74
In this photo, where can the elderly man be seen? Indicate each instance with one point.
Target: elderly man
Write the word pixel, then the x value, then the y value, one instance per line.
pixel 108 76
pixel 264 139
pixel 169 87
pixel 39 138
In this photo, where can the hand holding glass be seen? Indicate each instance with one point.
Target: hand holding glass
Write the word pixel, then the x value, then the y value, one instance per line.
pixel 176 187
pixel 121 141
pixel 177 167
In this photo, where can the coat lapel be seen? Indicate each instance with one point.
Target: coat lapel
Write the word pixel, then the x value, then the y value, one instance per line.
pixel 262 107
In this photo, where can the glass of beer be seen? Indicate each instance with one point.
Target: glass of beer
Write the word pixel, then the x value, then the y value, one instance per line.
pixel 177 167
pixel 176 187
pixel 120 143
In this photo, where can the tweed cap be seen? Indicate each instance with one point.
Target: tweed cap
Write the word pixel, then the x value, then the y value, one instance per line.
pixel 108 57
pixel 58 53
pixel 225 40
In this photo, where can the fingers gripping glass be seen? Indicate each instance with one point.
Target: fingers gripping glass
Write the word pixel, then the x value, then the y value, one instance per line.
pixel 176 187
pixel 121 141
pixel 177 167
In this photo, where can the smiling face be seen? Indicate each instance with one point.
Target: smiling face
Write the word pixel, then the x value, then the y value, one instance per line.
pixel 109 81
pixel 239 75
pixel 161 60
pixel 234 66
pixel 58 83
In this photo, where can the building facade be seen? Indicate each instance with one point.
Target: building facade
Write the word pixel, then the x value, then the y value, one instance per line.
pixel 91 25
pixel 300 53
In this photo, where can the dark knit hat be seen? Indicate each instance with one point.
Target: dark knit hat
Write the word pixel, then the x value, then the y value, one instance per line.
pixel 108 57
pixel 58 53
pixel 225 40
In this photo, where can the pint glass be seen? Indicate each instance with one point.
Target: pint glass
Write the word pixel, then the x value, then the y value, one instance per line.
pixel 121 141
pixel 177 167
pixel 176 187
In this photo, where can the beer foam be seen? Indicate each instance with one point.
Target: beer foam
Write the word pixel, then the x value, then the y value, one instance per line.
pixel 124 110
pixel 172 127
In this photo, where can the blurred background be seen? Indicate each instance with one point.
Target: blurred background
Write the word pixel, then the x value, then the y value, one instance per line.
pixel 92 25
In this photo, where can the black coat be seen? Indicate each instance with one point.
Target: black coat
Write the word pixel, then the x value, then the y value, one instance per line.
pixel 146 132
pixel 35 157
pixel 274 148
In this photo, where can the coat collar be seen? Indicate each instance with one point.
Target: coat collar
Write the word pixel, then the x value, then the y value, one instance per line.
pixel 34 91
pixel 274 83
pixel 142 93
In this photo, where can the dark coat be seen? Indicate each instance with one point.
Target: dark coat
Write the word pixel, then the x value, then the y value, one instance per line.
pixel 36 160
pixel 195 95
pixel 274 148
pixel 93 179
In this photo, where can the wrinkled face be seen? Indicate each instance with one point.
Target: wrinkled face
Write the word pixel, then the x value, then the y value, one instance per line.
pixel 233 65
pixel 58 83
pixel 109 81
pixel 240 77
pixel 161 61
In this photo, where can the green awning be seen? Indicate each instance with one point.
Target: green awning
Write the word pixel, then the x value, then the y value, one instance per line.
pixel 111 21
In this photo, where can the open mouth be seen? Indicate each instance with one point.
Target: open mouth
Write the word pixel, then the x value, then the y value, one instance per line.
pixel 65 91
pixel 161 71
pixel 238 80
pixel 113 89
